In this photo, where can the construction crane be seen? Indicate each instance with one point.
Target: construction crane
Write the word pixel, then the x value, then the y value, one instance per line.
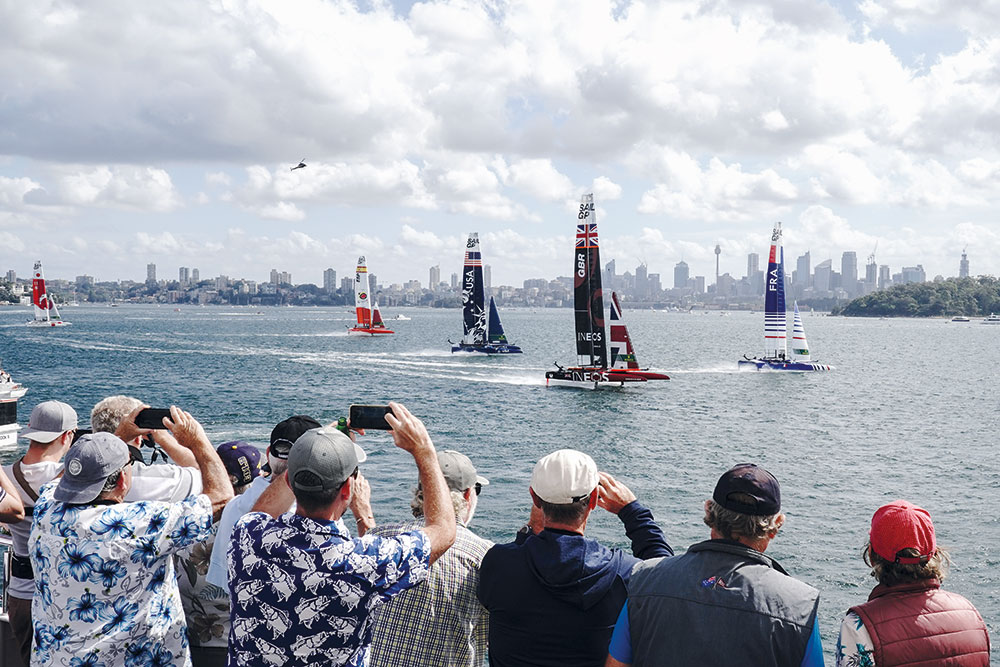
pixel 871 257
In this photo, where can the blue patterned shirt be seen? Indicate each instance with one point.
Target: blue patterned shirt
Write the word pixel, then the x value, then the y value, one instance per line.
pixel 105 589
pixel 303 591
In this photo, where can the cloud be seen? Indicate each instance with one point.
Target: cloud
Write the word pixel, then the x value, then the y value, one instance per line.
pixel 117 186
pixel 11 242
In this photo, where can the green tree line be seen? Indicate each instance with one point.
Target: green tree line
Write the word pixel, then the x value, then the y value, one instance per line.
pixel 972 297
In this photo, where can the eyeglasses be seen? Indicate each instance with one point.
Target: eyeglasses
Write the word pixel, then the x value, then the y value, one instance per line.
pixel 357 471
pixel 281 447
pixel 479 488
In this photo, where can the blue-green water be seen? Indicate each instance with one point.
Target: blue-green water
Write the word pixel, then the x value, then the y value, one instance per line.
pixel 910 412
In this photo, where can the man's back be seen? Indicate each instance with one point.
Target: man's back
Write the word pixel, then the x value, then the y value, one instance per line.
pixel 679 607
pixel 441 622
pixel 302 590
pixel 553 600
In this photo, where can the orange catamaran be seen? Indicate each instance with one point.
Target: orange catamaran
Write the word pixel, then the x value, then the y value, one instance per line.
pixel 369 318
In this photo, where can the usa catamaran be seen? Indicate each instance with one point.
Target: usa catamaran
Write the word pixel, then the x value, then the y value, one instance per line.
pixel 45 311
pixel 776 357
pixel 483 336
pixel 370 321
pixel 594 370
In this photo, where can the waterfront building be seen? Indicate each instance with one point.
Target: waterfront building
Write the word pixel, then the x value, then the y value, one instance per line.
pixel 454 281
pixel 83 282
pixel 434 277
pixel 718 251
pixel 822 276
pixel 195 276
pixel 913 274
pixel 884 277
pixel 681 275
pixel 151 273
pixel 803 271
pixel 347 285
pixel 329 281
pixel 753 264
pixel 849 273
pixel 641 282
pixel 963 266
pixel 698 284
pixel 12 276
pixel 184 275
pixel 487 276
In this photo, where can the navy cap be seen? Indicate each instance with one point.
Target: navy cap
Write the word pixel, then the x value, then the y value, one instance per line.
pixel 753 481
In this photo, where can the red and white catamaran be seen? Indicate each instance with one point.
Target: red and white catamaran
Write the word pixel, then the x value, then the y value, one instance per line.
pixel 370 321
pixel 594 370
pixel 45 311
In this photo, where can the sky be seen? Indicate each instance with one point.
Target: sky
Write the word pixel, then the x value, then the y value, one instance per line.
pixel 166 132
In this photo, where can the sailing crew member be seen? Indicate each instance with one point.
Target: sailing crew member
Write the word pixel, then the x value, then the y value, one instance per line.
pixel 400 638
pixel 908 619
pixel 49 432
pixel 553 594
pixel 677 606
pixel 302 589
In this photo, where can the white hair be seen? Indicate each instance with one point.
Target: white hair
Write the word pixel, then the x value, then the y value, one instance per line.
pixel 109 413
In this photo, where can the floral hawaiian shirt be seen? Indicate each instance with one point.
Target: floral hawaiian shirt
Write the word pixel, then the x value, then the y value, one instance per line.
pixel 206 606
pixel 303 590
pixel 105 589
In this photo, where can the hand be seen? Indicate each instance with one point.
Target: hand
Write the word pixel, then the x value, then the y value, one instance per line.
pixel 127 430
pixel 361 506
pixel 185 428
pixel 408 432
pixel 613 494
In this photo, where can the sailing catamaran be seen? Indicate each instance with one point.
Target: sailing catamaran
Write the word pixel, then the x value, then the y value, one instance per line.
pixel 480 336
pixel 776 357
pixel 594 370
pixel 46 313
pixel 370 320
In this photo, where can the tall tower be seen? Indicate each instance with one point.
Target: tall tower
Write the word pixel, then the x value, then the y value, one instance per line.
pixel 151 273
pixel 963 266
pixel 718 251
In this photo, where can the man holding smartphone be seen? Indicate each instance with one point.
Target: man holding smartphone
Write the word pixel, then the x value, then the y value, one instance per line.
pixel 302 590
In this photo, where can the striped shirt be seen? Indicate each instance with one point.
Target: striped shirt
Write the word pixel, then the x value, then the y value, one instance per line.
pixel 440 622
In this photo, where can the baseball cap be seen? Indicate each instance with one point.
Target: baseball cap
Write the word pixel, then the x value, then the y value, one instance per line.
pixel 286 432
pixel 902 525
pixel 564 476
pixel 458 470
pixel 753 481
pixel 326 453
pixel 88 464
pixel 242 460
pixel 49 420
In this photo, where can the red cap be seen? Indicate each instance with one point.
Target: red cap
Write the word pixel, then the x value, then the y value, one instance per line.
pixel 902 525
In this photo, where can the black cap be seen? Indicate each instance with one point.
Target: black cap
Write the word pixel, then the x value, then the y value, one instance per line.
pixel 286 432
pixel 754 481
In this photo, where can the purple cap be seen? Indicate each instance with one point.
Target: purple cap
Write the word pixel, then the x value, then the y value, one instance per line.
pixel 242 460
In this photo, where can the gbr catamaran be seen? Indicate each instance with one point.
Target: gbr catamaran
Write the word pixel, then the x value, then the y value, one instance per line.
pixel 370 321
pixel 483 336
pixel 776 357
pixel 596 369
pixel 45 312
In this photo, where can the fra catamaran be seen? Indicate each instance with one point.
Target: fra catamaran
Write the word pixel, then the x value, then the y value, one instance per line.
pixel 369 318
pixel 776 357
pixel 46 313
pixel 479 336
pixel 594 370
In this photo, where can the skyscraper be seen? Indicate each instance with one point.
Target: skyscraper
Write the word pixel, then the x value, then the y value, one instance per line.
pixel 718 251
pixel 824 272
pixel 183 275
pixel 487 276
pixel 963 266
pixel 849 272
pixel 609 278
pixel 151 273
pixel 329 281
pixel 884 276
pixel 803 270
pixel 641 281
pixel 681 275
pixel 454 281
pixel 195 276
pixel 753 264
pixel 434 277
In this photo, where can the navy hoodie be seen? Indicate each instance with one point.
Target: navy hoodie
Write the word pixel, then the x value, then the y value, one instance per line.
pixel 554 597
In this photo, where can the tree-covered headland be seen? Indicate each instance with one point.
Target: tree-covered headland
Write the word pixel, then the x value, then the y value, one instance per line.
pixel 972 297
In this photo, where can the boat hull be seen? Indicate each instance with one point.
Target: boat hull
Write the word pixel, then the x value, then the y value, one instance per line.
pixel 365 331
pixel 781 365
pixel 489 348
pixel 47 323
pixel 597 378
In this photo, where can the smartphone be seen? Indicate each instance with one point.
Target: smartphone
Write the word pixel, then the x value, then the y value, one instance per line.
pixel 151 417
pixel 370 416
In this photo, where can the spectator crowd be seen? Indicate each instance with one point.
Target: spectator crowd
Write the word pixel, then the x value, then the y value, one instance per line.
pixel 224 556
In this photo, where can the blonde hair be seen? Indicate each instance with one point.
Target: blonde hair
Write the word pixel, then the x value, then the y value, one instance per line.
pixel 891 573
pixel 458 502
pixel 733 525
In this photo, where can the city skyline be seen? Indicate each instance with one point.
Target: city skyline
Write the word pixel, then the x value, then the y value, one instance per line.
pixel 857 123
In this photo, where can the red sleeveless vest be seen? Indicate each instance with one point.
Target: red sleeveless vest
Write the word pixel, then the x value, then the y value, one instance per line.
pixel 920 624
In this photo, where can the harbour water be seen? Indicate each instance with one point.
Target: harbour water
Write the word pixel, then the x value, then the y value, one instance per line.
pixel 910 412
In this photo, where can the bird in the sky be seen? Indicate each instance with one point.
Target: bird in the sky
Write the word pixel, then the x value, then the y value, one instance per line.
pixel 300 165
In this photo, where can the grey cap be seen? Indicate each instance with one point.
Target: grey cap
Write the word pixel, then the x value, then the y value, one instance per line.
pixel 88 464
pixel 326 453
pixel 458 470
pixel 49 420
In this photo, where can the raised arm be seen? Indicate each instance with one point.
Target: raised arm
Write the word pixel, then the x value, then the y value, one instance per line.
pixel 410 434
pixel 179 455
pixel 647 538
pixel 277 497
pixel 214 478
pixel 11 507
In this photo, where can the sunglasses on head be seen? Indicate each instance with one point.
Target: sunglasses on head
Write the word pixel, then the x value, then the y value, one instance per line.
pixel 479 488
pixel 281 447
